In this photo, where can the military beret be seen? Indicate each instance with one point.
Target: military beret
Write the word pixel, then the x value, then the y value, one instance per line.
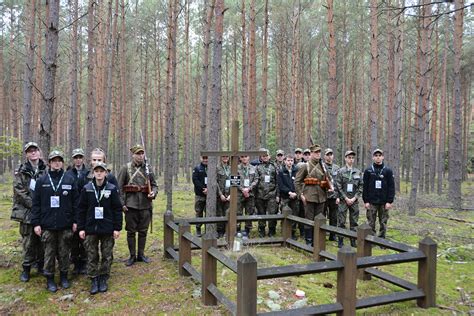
pixel 306 151
pixel 349 152
pixel 78 152
pixel 298 150
pixel 377 150
pixel 29 145
pixel 54 154
pixel 100 164
pixel 280 152
pixel 328 151
pixel 315 148
pixel 137 148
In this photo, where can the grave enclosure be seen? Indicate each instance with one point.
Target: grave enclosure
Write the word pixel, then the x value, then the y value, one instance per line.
pixel 350 265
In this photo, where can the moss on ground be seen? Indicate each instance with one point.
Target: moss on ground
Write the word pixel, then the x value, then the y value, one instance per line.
pixel 157 288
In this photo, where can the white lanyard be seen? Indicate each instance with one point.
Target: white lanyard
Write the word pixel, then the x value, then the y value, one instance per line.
pixel 55 189
pixel 97 194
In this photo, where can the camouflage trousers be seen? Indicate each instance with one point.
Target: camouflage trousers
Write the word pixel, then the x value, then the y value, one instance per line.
pixel 330 211
pixel 265 207
pixel 353 215
pixel 221 210
pixel 249 205
pixel 32 247
pixel 382 213
pixel 199 207
pixel 95 265
pixel 56 244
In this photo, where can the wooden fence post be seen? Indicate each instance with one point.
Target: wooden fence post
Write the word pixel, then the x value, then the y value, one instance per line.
pixel 246 285
pixel 168 234
pixel 184 248
pixel 209 270
pixel 364 248
pixel 347 280
pixel 286 225
pixel 427 273
pixel 319 237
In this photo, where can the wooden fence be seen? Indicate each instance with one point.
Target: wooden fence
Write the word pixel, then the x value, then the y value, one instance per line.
pixel 348 264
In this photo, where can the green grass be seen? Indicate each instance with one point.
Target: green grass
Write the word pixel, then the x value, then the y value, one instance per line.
pixel 158 289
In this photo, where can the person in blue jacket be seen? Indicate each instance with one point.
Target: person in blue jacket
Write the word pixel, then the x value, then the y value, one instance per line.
pixel 99 223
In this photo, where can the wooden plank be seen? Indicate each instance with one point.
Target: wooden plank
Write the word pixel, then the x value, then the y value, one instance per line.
pixel 339 231
pixel 221 298
pixel 427 273
pixel 319 237
pixel 347 280
pixel 364 248
pixel 390 244
pixel 299 245
pixel 327 255
pixel 208 270
pixel 374 261
pixel 246 285
pixel 203 220
pixel 226 261
pixel 407 285
pixel 301 220
pixel 389 298
pixel 168 233
pixel 259 217
pixel 173 226
pixel 264 241
pixel 195 274
pixel 184 249
pixel 298 269
pixel 193 239
pixel 308 310
pixel 232 153
pixel 173 253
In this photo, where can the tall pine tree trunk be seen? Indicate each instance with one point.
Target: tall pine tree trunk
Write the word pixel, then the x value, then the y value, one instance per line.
pixel 29 75
pixel 331 123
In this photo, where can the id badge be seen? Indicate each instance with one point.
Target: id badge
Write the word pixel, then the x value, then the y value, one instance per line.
pixel 227 183
pixel 99 212
pixel 267 179
pixel 378 184
pixel 246 182
pixel 32 184
pixel 205 180
pixel 54 201
pixel 350 187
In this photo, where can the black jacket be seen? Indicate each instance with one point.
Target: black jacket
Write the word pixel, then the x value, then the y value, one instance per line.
pixel 370 193
pixel 78 174
pixel 59 218
pixel 112 209
pixel 82 181
pixel 286 181
pixel 199 179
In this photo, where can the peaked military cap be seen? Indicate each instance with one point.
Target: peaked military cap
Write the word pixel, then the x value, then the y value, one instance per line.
pixel 377 150
pixel 349 152
pixel 328 151
pixel 298 150
pixel 315 147
pixel 137 148
pixel 29 145
pixel 100 164
pixel 306 151
pixel 267 152
pixel 78 152
pixel 54 154
pixel 280 152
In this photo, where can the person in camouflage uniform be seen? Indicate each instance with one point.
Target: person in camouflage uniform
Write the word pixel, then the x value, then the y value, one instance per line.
pixel 311 185
pixel 330 209
pixel 200 190
pixel 23 187
pixel 266 197
pixel 349 184
pixel 138 188
pixel 223 192
pixel 99 221
pixel 298 156
pixel 54 218
pixel 280 160
pixel 246 195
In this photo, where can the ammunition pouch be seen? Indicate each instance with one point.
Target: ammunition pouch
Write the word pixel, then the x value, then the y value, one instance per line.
pixel 135 188
pixel 312 181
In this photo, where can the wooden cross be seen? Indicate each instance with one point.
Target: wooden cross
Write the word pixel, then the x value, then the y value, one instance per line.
pixel 234 155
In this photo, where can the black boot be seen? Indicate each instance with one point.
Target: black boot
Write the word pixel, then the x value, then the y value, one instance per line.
pixel 50 284
pixel 103 287
pixel 143 258
pixel 261 232
pixel 340 242
pixel 130 261
pixel 64 281
pixel 271 232
pixel 353 243
pixel 39 268
pixel 77 267
pixel 198 231
pixel 332 237
pixel 25 274
pixel 308 236
pixel 83 267
pixel 94 285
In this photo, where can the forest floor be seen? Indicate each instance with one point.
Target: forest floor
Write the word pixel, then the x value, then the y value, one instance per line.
pixel 156 288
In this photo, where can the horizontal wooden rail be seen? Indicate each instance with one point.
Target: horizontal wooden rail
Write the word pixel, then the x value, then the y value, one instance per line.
pixel 309 310
pixel 339 231
pixel 221 298
pixel 298 269
pixel 390 244
pixel 195 274
pixel 173 226
pixel 374 261
pixel 389 298
pixel 407 285
pixel 226 261
pixel 193 239
pixel 300 245
pixel 174 254
pixel 202 220
pixel 263 241
pixel 327 255
pixel 259 217
pixel 301 220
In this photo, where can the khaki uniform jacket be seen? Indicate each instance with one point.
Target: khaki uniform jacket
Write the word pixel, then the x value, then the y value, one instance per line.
pixel 344 178
pixel 136 200
pixel 312 193
pixel 247 172
pixel 267 190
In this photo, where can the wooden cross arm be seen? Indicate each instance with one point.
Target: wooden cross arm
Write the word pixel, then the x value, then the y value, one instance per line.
pixel 233 153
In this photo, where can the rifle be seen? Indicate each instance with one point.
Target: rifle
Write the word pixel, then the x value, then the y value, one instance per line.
pixel 327 177
pixel 148 182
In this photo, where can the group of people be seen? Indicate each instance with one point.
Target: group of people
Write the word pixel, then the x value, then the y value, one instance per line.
pixel 76 214
pixel 304 184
